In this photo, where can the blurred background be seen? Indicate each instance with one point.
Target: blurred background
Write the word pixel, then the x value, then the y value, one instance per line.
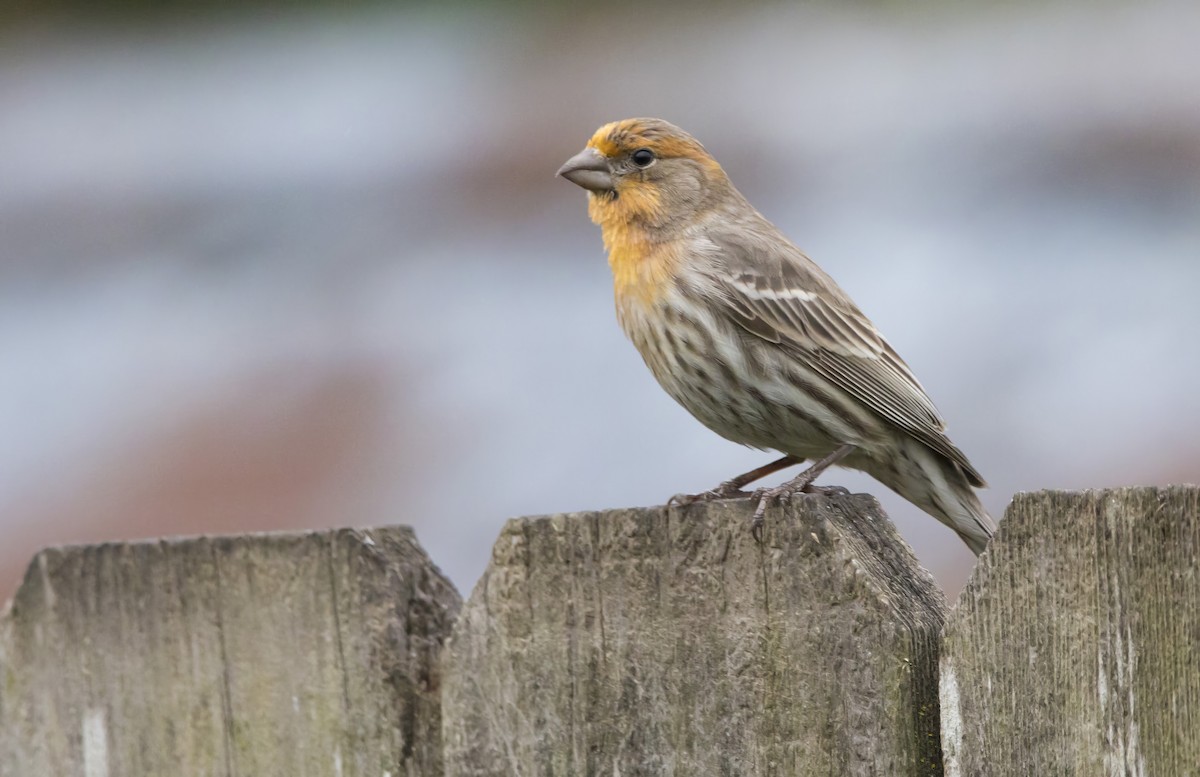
pixel 285 269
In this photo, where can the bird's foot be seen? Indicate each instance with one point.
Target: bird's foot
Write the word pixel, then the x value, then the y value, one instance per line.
pixel 801 484
pixel 730 489
pixel 783 494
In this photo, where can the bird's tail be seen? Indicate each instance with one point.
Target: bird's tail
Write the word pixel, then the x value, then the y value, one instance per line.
pixel 939 486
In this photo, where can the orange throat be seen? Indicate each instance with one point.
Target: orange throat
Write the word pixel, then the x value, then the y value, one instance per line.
pixel 642 268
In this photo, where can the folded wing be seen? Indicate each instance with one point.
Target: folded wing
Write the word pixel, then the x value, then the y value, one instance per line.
pixel 785 299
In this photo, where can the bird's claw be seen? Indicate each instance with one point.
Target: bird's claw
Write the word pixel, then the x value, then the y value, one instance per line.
pixel 724 491
pixel 758 520
pixel 783 494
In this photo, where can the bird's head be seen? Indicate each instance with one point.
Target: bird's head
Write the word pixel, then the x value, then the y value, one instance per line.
pixel 645 173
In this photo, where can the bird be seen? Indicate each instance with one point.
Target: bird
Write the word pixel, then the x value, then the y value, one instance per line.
pixel 755 340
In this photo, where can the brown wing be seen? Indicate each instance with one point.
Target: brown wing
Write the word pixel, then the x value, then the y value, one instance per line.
pixel 774 291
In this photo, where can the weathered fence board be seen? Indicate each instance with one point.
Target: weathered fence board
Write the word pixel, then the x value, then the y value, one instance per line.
pixel 666 642
pixel 1075 647
pixel 631 642
pixel 290 654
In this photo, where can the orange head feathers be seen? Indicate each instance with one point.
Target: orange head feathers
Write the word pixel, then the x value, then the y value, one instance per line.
pixel 646 174
pixel 648 181
pixel 663 139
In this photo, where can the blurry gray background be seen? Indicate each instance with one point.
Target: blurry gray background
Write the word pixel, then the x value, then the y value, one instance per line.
pixel 312 268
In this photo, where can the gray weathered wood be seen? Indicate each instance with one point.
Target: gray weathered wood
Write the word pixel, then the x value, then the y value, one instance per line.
pixel 666 642
pixel 286 654
pixel 1075 647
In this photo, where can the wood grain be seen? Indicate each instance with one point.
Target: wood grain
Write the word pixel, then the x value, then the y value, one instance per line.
pixel 281 654
pixel 1075 647
pixel 666 642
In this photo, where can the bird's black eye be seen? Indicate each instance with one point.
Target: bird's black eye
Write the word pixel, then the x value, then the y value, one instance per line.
pixel 643 157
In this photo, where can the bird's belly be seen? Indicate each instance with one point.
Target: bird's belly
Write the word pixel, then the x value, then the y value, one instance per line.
pixel 705 369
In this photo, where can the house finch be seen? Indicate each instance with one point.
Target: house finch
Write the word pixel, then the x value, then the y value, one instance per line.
pixel 755 340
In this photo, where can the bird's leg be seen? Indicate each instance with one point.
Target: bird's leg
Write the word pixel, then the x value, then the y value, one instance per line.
pixel 802 483
pixel 733 487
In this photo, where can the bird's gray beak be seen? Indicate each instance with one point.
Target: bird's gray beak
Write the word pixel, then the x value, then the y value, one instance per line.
pixel 589 169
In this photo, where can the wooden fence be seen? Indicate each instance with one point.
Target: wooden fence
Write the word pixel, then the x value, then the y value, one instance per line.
pixel 628 642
